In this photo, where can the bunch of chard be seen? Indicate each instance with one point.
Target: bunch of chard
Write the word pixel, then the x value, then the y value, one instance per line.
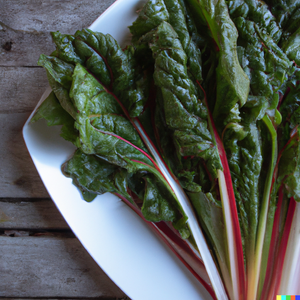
pixel 194 126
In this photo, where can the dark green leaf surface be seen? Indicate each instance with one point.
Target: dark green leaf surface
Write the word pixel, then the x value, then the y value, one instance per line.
pixel 184 113
pixel 151 15
pixel 289 168
pixel 54 114
pixel 91 174
pixel 232 84
pixel 59 76
pixel 155 207
pixel 292 46
pixel 176 14
pixel 116 69
pixel 210 215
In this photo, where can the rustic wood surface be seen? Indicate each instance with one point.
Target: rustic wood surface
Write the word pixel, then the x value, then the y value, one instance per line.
pixel 39 255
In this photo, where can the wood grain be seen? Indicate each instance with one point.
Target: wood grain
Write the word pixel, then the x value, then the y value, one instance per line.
pixel 26 25
pixel 50 267
pixel 21 89
pixel 51 15
pixel 18 176
pixel 22 48
pixel 39 214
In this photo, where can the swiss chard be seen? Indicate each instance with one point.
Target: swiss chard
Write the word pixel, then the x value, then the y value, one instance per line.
pixel 100 133
pixel 216 84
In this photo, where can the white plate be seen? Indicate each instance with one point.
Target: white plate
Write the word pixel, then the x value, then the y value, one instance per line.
pixel 122 245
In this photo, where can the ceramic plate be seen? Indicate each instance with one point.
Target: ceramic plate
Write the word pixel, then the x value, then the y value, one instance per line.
pixel 122 245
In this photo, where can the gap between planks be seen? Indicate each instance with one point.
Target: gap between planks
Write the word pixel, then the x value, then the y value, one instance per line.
pixel 51 267
pixel 39 214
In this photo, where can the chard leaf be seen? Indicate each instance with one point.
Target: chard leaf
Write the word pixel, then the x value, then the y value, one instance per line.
pixel 116 69
pixel 109 146
pixel 61 71
pixel 151 15
pixel 108 135
pixel 290 110
pixel 292 47
pixel 91 174
pixel 289 170
pixel 232 82
pixel 267 66
pixel 59 75
pixel 210 216
pixel 285 11
pixel 54 114
pixel 107 139
pixel 155 206
pixel 184 114
pixel 64 48
pixel 177 15
pixel 259 12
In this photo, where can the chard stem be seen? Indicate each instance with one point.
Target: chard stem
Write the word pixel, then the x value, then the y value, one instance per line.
pixel 255 270
pixel 232 250
pixel 211 268
pixel 234 246
pixel 178 246
pixel 291 269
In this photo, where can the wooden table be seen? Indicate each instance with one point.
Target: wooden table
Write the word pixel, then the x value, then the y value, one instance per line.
pixel 39 255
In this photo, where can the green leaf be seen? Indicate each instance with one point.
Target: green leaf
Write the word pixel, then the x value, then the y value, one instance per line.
pixel 59 75
pixel 184 114
pixel 292 47
pixel 232 82
pixel 259 12
pixel 91 174
pixel 58 69
pixel 289 168
pixel 54 114
pixel 210 215
pixel 116 69
pixel 178 16
pixel 64 48
pixel 151 15
pixel 155 206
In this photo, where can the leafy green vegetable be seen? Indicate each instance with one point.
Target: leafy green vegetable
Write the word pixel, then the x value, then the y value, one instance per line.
pixel 103 131
pixel 103 57
pixel 232 82
pixel 216 84
pixel 91 174
pixel 289 168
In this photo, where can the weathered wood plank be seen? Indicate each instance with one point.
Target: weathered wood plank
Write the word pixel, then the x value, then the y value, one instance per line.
pixel 25 26
pixel 22 48
pixel 18 176
pixel 50 267
pixel 39 214
pixel 21 88
pixel 51 15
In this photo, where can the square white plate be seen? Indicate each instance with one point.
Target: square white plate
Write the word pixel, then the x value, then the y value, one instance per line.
pixel 118 240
